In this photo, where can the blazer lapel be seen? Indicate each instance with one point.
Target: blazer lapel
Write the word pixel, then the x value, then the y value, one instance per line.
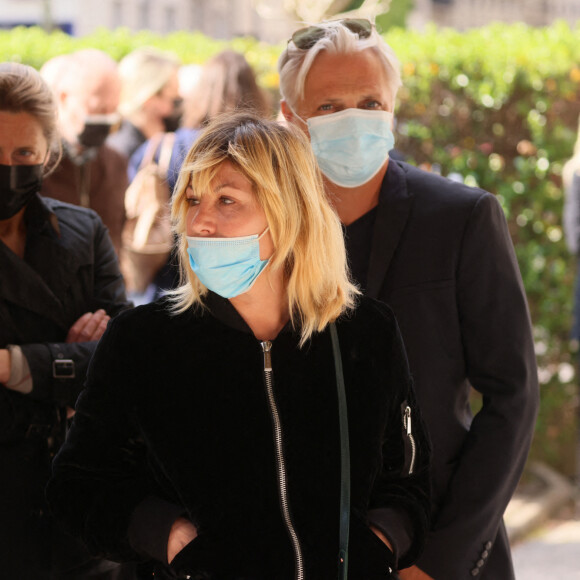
pixel 395 203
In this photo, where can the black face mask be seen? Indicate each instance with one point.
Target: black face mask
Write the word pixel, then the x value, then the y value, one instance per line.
pixel 94 134
pixel 18 185
pixel 173 121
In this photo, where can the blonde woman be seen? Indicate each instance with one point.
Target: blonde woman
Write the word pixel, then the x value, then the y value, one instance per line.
pixel 150 101
pixel 230 385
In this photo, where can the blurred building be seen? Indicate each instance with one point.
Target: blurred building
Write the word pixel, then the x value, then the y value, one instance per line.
pixel 463 14
pixel 265 20
pixel 222 19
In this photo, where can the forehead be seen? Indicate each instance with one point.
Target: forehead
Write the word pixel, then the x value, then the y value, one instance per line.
pixel 20 129
pixel 333 75
pixel 220 178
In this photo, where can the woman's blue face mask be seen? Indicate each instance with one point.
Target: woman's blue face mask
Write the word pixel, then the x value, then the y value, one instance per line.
pixel 352 145
pixel 227 266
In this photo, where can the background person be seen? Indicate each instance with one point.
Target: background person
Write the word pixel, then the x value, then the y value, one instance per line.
pixel 439 253
pixel 231 384
pixel 150 101
pixel 59 284
pixel 90 174
pixel 226 84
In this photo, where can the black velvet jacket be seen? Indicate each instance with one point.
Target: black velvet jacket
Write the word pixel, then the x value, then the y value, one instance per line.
pixel 176 420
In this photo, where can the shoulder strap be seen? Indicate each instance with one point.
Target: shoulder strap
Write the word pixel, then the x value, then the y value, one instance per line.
pixel 165 153
pixel 344 458
pixel 151 149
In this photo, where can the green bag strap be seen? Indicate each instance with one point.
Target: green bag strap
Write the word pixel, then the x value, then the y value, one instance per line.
pixel 344 459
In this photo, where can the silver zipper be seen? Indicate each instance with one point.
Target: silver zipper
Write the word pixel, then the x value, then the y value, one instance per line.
pixel 280 461
pixel 407 425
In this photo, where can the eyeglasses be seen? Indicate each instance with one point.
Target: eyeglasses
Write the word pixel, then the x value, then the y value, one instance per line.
pixel 306 38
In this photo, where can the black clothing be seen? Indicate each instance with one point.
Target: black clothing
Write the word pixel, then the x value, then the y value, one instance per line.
pixel 126 140
pixel 442 258
pixel 69 268
pixel 193 388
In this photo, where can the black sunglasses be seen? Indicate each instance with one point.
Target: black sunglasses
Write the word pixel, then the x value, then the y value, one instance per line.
pixel 306 38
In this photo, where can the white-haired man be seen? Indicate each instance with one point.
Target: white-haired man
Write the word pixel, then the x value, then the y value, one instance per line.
pixel 440 255
pixel 87 89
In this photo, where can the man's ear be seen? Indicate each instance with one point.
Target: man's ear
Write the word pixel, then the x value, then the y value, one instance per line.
pixel 286 111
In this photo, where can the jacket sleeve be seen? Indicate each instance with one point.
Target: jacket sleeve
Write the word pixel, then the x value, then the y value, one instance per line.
pixel 500 364
pixel 571 217
pixel 51 382
pixel 400 501
pixel 102 484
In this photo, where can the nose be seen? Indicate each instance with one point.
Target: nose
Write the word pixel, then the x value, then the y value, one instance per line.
pixel 201 220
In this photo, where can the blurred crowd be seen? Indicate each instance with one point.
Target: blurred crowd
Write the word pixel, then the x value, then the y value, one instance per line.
pixel 115 119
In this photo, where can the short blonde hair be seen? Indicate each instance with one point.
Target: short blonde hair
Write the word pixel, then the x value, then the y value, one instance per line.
pixel 144 72
pixel 294 63
pixel 306 232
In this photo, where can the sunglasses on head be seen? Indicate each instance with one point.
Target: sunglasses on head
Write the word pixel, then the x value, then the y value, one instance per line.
pixel 306 38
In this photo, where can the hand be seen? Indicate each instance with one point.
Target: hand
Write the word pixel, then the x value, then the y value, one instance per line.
pixel 89 326
pixel 414 573
pixel 4 365
pixel 182 532
pixel 381 536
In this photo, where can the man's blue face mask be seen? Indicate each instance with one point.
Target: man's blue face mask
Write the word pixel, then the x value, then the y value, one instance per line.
pixel 352 145
pixel 227 266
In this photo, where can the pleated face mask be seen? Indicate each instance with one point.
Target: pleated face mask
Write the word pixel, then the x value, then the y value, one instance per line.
pixel 227 266
pixel 352 145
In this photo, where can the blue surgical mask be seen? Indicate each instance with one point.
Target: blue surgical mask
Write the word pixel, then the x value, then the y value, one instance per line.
pixel 227 266
pixel 352 145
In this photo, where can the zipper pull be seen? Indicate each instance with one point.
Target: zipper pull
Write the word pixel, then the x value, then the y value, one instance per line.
pixel 266 349
pixel 408 420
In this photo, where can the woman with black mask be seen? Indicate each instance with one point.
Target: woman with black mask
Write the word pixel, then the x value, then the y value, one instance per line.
pixel 59 284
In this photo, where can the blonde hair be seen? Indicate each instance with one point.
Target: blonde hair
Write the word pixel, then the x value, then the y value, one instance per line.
pixel 306 232
pixel 23 90
pixel 144 72
pixel 294 63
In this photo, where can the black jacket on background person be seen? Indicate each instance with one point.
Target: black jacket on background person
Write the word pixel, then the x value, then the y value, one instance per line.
pixel 192 388
pixel 439 253
pixel 69 268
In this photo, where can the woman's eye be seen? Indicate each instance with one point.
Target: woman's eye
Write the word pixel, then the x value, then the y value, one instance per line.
pixel 326 108
pixel 226 201
pixel 191 201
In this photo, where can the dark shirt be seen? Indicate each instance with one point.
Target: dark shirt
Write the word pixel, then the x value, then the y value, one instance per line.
pixel 358 237
pixel 126 140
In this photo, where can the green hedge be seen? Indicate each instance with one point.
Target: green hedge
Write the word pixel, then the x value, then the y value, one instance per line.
pixel 499 106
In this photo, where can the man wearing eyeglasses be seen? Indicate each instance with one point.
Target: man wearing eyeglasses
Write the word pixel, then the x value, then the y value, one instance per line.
pixel 439 253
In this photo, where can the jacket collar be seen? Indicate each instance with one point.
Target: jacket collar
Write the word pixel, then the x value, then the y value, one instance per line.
pixel 395 202
pixel 25 286
pixel 224 311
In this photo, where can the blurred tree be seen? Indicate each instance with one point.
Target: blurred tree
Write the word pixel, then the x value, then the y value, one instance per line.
pixel 317 10
pixel 396 16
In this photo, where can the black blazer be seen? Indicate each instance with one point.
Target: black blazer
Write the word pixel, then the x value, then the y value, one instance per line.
pixel 442 258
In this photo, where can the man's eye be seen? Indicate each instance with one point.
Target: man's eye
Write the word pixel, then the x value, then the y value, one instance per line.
pixel 372 105
pixel 326 107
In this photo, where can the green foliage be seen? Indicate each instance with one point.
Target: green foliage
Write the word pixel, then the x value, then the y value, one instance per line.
pixel 397 15
pixel 499 106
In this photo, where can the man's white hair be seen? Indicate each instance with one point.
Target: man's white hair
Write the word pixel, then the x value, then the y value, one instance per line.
pixel 294 63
